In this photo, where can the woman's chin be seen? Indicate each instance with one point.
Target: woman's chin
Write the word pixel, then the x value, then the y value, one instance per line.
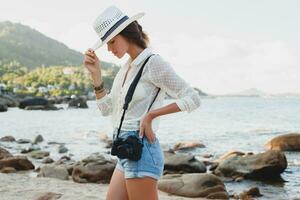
pixel 119 56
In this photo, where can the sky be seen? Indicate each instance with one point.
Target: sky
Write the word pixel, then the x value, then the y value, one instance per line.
pixel 218 46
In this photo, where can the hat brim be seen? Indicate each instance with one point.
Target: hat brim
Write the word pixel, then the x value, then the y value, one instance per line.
pixel 100 43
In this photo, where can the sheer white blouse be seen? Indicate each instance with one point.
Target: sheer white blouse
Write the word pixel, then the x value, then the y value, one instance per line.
pixel 156 74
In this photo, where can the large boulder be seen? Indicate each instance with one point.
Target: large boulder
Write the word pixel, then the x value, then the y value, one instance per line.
pixel 38 101
pixel 95 169
pixel 194 185
pixel 54 171
pixel 287 142
pixel 17 162
pixel 268 164
pixel 179 163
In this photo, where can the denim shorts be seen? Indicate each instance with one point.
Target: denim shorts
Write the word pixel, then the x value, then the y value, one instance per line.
pixel 151 163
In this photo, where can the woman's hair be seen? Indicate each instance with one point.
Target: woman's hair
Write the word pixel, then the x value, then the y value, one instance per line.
pixel 134 33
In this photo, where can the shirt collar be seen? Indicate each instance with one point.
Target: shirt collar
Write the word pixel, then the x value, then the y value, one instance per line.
pixel 141 57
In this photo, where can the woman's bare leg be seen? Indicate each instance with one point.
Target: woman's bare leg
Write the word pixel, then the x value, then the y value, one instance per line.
pixel 117 186
pixel 142 188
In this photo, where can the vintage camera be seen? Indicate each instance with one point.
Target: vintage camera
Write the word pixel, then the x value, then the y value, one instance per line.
pixel 130 148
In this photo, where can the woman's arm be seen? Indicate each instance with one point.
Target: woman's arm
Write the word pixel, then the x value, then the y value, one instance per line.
pixel 162 75
pixel 146 122
pixel 168 109
pixel 92 63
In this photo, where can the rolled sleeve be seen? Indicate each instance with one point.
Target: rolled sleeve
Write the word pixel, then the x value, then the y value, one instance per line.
pixel 189 101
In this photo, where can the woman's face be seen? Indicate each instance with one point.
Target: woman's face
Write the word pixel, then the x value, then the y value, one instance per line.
pixel 118 45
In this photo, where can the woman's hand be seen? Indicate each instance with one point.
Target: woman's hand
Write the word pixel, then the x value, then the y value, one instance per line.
pixel 146 128
pixel 92 63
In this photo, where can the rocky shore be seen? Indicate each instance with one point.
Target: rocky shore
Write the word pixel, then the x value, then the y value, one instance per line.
pixel 41 103
pixel 32 174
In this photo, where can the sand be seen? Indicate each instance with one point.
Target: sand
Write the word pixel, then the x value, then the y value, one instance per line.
pixel 17 186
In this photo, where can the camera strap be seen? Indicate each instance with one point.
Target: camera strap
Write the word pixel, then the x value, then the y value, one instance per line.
pixel 130 92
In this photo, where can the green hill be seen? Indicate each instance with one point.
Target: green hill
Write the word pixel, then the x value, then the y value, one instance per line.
pixel 32 49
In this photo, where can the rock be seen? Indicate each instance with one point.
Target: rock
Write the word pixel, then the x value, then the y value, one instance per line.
pixel 78 102
pixel 7 139
pixel 39 154
pixel 62 149
pixel 178 163
pixel 38 139
pixel 9 100
pixel 252 192
pixel 95 169
pixel 23 141
pixel 17 162
pixel 207 155
pixel 3 106
pixel 229 155
pixel 49 196
pixel 52 142
pixel 64 159
pixel 55 100
pixel 8 170
pixel 54 171
pixel 33 102
pixel 103 137
pixel 267 164
pixel 287 142
pixel 108 144
pixel 31 148
pixel 68 164
pixel 213 166
pixel 239 179
pixel 40 107
pixel 47 160
pixel 187 145
pixel 4 153
pixel 193 185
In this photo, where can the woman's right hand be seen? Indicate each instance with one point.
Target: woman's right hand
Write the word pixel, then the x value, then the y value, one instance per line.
pixel 91 63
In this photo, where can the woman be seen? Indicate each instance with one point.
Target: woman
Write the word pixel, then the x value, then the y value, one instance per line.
pixel 136 180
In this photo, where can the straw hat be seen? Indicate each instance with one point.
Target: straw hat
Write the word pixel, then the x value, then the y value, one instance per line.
pixel 110 23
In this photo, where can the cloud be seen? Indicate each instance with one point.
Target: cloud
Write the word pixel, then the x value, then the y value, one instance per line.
pixel 220 64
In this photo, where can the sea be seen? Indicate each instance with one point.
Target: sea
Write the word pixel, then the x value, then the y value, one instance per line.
pixel 222 124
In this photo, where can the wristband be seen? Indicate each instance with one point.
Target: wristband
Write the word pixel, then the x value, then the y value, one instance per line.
pixel 100 87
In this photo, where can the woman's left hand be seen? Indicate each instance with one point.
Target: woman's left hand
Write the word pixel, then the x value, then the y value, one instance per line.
pixel 146 128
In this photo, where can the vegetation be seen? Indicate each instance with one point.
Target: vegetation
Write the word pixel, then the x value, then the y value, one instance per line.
pixel 52 81
pixel 34 64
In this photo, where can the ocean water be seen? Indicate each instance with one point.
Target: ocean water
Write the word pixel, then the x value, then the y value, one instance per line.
pixel 221 124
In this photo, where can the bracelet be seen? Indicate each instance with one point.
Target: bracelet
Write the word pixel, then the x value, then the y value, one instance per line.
pixel 99 91
pixel 100 87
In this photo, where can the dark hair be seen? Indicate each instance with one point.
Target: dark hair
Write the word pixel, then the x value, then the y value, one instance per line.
pixel 134 33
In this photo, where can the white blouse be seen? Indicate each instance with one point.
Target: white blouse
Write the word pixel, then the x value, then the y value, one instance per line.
pixel 156 74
